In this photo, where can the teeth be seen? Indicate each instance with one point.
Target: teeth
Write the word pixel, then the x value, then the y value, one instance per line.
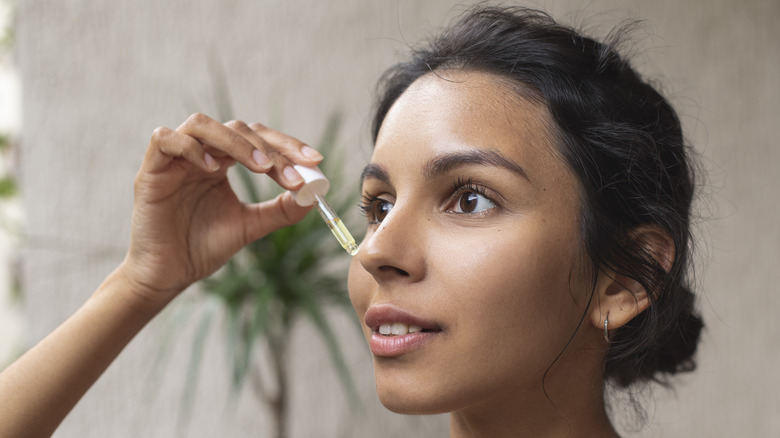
pixel 398 328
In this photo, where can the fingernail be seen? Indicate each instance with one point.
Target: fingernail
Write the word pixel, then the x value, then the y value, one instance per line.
pixel 260 158
pixel 211 163
pixel 292 175
pixel 311 153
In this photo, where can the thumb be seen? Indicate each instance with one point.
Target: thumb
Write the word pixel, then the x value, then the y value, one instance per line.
pixel 267 217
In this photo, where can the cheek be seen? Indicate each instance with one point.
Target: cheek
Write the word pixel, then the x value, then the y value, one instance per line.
pixel 515 283
pixel 520 256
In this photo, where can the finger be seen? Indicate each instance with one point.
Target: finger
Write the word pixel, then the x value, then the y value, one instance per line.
pixel 215 135
pixel 260 154
pixel 285 151
pixel 282 150
pixel 292 148
pixel 271 215
pixel 167 145
pixel 280 169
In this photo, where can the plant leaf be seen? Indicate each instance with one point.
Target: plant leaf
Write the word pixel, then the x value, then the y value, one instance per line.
pixel 193 369
pixel 314 311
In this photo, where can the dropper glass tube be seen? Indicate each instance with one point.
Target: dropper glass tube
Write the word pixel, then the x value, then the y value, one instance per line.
pixel 336 225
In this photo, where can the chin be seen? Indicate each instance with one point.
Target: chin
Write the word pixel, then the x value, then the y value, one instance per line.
pixel 410 406
pixel 412 399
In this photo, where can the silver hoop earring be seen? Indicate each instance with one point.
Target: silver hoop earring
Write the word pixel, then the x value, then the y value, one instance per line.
pixel 606 330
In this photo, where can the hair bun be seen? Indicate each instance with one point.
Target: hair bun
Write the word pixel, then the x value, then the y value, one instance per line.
pixel 670 351
pixel 677 347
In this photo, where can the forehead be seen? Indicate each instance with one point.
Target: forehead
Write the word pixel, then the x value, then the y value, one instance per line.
pixel 453 110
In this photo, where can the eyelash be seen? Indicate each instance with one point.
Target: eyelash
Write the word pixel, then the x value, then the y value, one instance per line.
pixel 467 185
pixel 367 205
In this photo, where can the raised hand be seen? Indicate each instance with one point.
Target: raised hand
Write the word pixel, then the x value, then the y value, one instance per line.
pixel 187 221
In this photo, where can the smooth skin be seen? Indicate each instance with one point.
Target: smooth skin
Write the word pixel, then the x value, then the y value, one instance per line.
pixel 187 222
pixel 474 229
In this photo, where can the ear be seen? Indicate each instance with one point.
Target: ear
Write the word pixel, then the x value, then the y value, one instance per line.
pixel 620 298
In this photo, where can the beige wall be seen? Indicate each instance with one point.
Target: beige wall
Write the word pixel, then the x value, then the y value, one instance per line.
pixel 99 76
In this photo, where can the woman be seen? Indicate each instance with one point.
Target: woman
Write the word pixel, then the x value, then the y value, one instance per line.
pixel 528 204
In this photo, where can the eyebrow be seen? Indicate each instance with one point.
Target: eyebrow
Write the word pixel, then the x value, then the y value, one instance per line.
pixel 375 171
pixel 444 163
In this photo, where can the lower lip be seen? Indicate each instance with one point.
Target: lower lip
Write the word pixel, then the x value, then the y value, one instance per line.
pixel 393 346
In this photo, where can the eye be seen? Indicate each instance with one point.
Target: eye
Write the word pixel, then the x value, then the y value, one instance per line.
pixel 470 198
pixel 469 201
pixel 375 208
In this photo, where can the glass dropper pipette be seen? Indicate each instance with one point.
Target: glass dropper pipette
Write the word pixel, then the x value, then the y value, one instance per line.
pixel 313 193
pixel 336 225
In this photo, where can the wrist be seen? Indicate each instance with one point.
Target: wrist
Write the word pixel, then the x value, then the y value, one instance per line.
pixel 127 286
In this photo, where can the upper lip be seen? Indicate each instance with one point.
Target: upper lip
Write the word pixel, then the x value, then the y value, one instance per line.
pixel 387 314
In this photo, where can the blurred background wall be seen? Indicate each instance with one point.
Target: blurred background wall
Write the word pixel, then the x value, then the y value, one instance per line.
pixel 98 77
pixel 11 321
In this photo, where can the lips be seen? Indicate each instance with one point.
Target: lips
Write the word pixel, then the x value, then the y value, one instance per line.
pixel 396 332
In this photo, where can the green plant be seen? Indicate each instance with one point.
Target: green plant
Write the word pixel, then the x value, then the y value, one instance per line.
pixel 277 279
pixel 296 273
pixel 7 181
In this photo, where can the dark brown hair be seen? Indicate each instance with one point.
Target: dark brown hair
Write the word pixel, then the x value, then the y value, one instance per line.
pixel 625 144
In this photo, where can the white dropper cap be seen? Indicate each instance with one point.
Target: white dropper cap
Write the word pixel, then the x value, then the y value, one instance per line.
pixel 315 183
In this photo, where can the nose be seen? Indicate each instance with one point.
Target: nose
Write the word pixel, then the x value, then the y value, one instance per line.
pixel 394 251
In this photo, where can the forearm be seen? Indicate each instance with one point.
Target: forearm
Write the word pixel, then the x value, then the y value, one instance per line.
pixel 39 389
pixel 187 222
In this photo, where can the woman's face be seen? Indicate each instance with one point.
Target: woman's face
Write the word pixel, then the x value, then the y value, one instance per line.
pixel 466 282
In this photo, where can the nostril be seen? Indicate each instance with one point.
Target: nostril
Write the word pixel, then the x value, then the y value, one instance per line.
pixel 393 269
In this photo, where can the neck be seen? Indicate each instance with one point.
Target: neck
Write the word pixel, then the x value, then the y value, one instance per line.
pixel 563 411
